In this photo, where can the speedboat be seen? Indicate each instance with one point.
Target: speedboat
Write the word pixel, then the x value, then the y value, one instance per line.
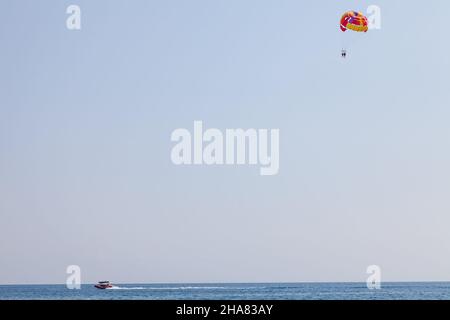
pixel 103 285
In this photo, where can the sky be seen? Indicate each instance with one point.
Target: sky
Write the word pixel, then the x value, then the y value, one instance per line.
pixel 86 117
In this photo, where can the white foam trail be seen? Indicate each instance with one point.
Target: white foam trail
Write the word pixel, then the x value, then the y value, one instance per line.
pixel 126 288
pixel 166 288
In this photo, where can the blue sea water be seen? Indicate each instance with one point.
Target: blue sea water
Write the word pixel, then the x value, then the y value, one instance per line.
pixel 242 291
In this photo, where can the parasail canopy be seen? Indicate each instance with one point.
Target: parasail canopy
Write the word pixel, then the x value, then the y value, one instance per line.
pixel 355 21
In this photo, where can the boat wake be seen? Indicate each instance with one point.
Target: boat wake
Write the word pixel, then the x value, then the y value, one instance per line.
pixel 164 288
pixel 126 288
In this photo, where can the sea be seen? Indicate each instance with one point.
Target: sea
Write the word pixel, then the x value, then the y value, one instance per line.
pixel 235 291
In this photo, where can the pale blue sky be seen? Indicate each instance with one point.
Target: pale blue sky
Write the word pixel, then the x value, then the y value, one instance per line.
pixel 86 118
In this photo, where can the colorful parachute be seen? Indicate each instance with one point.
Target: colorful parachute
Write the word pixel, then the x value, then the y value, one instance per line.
pixel 356 21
